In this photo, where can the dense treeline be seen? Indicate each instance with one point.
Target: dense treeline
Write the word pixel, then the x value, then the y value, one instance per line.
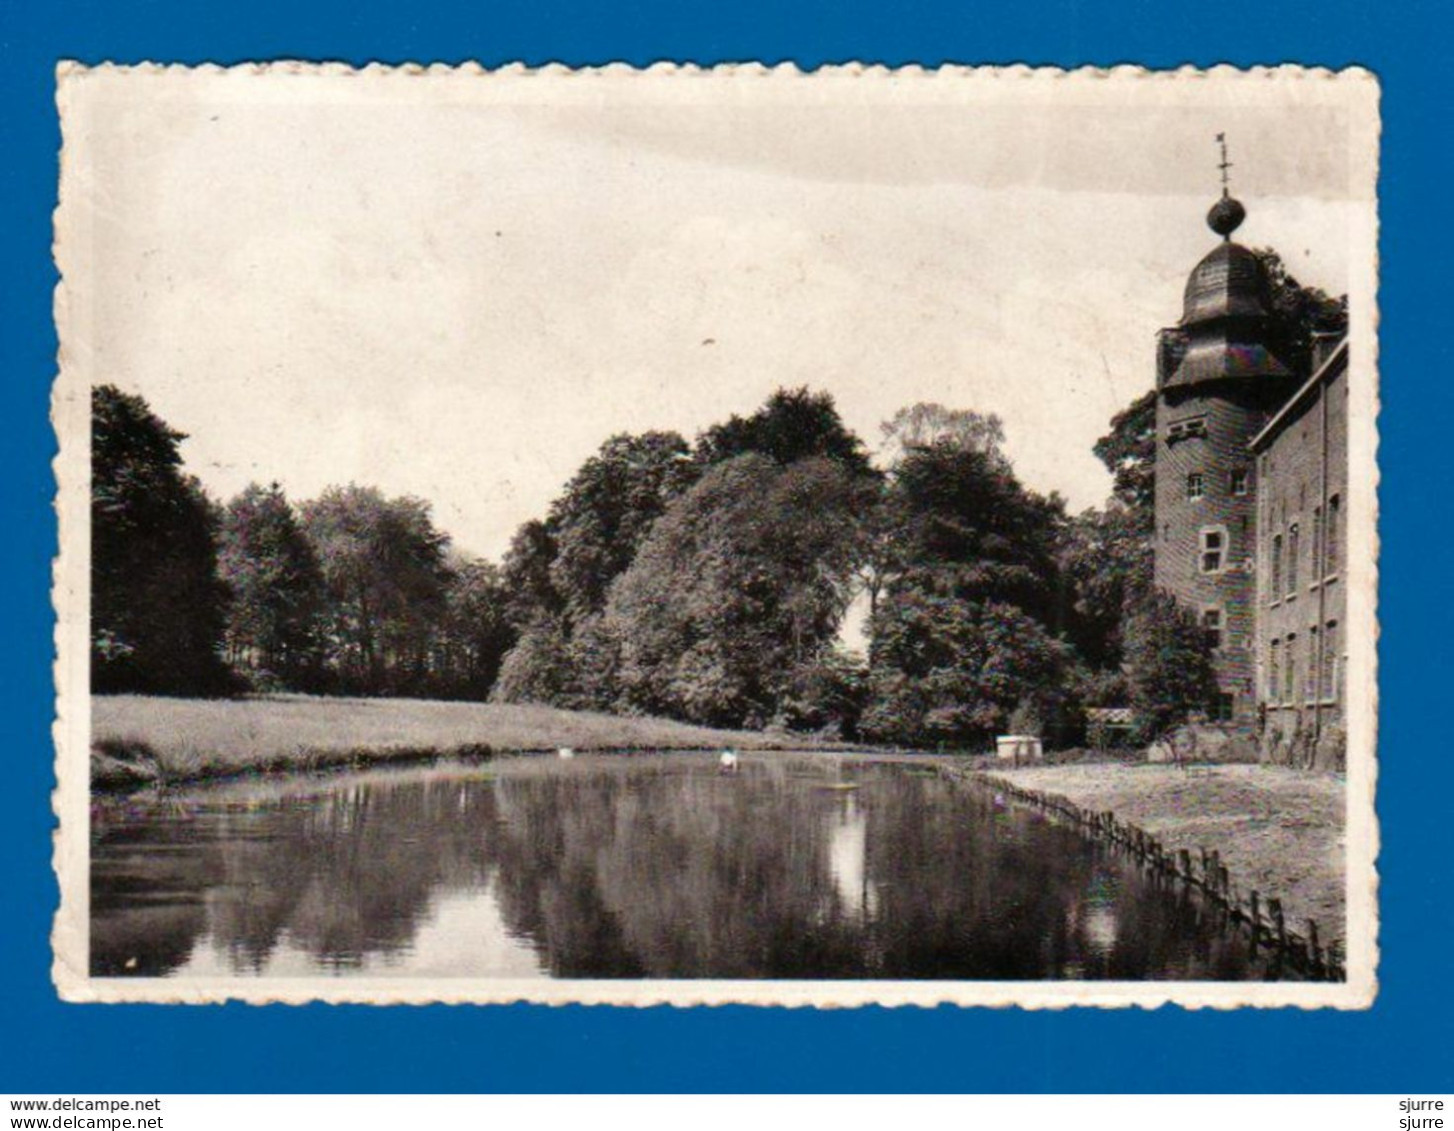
pixel 352 592
pixel 708 581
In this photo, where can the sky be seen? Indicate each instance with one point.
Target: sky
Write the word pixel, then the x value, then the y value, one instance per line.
pixel 457 286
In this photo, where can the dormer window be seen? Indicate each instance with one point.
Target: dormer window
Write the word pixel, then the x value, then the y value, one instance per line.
pixel 1186 429
pixel 1238 482
pixel 1195 485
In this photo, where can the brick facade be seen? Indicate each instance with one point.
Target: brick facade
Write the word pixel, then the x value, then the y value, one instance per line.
pixel 1300 612
pixel 1206 519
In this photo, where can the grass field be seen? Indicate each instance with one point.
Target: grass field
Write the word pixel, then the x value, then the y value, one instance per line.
pixel 1278 830
pixel 137 739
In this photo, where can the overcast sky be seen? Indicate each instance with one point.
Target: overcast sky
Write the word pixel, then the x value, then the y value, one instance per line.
pixel 457 288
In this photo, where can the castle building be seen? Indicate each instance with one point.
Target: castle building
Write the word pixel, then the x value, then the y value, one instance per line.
pixel 1301 609
pixel 1251 472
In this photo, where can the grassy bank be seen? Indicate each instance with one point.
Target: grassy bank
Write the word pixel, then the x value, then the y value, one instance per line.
pixel 138 739
pixel 1279 831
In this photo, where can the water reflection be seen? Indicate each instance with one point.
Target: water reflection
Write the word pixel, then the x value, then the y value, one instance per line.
pixel 848 861
pixel 657 867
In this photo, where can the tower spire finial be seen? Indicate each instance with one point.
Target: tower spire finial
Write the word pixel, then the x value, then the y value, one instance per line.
pixel 1227 214
pixel 1224 165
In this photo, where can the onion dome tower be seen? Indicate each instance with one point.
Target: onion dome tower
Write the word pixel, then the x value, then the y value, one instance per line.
pixel 1217 383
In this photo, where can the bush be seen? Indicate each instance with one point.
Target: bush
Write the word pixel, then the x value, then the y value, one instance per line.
pixel 826 695
pixel 1169 666
pixel 537 669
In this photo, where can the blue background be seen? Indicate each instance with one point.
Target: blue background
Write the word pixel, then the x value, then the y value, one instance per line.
pixel 1403 1044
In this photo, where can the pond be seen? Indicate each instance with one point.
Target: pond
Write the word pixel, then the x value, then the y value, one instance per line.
pixel 631 867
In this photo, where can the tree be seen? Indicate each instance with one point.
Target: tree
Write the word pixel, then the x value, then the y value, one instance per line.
pixel 1129 452
pixel 1108 554
pixel 966 625
pixel 383 564
pixel 744 578
pixel 1169 665
pixel 274 624
pixel 538 668
pixel 1107 561
pixel 926 424
pixel 1298 312
pixel 157 607
pixel 474 633
pixel 793 425
pixel 607 509
pixel 530 594
pixel 951 670
pixel 965 525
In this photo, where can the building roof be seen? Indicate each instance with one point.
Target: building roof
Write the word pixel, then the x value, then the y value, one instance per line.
pixel 1216 352
pixel 1229 282
pixel 1334 363
pixel 1225 310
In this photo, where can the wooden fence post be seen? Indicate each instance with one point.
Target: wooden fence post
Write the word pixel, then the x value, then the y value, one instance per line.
pixel 1279 925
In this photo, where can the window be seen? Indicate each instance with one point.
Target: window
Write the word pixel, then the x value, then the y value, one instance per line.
pixel 1311 672
pixel 1194 485
pixel 1214 547
pixel 1186 429
pixel 1276 567
pixel 1289 675
pixel 1274 672
pixel 1317 542
pixel 1330 660
pixel 1330 539
pixel 1292 555
pixel 1238 483
pixel 1221 706
pixel 1212 627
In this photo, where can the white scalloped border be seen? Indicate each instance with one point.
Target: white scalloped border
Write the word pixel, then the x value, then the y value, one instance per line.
pixel 71 727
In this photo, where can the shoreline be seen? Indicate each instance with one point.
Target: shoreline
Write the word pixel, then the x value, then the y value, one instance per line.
pixel 140 742
pixel 123 779
pixel 1277 831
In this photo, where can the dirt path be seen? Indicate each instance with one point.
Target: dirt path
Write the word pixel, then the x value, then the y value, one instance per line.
pixel 1278 830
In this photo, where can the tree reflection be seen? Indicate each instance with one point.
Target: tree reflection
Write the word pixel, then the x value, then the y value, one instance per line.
pixel 644 868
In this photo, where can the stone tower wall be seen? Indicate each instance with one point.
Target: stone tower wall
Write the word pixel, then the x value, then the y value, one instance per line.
pixel 1216 420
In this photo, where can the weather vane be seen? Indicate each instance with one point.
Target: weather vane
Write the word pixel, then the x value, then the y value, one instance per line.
pixel 1225 164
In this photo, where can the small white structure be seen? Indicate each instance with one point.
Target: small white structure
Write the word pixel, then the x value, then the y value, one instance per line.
pixel 565 752
pixel 1020 747
pixel 728 761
